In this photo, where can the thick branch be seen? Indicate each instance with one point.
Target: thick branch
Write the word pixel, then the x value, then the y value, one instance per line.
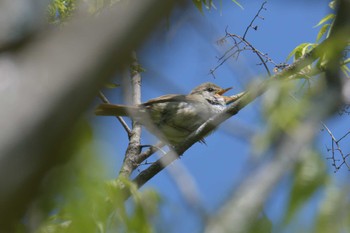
pixel 50 83
pixel 239 211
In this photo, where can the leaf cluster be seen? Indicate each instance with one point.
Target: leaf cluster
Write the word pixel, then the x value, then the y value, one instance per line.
pixel 78 197
pixel 325 24
pixel 60 10
pixel 208 4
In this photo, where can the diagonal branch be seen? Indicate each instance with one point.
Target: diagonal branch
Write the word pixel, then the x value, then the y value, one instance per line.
pixel 53 80
pixel 232 110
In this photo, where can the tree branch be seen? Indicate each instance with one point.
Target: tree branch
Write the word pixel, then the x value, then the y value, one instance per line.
pixel 239 211
pixel 53 80
pixel 134 147
pixel 232 110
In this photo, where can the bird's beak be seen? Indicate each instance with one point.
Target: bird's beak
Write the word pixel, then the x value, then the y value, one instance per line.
pixel 233 98
pixel 230 99
pixel 222 91
pixel 226 98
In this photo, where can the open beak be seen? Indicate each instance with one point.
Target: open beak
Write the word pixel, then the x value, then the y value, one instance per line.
pixel 233 98
pixel 222 91
pixel 229 99
pixel 226 98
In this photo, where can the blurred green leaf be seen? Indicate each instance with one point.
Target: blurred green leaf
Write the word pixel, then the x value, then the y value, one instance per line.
pixel 309 176
pixel 300 50
pixel 345 70
pixel 322 31
pixel 111 85
pixel 332 5
pixel 198 4
pixel 325 19
pixel 78 196
pixel 334 213
pixel 60 10
pixel 238 4
pixel 261 224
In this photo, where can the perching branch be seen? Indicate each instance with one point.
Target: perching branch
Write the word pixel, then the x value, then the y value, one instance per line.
pixel 232 110
pixel 289 72
pixel 134 147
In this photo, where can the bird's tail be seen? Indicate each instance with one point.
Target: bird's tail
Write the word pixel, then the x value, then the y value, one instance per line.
pixel 115 110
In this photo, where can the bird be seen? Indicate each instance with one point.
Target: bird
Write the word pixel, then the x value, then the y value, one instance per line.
pixel 173 117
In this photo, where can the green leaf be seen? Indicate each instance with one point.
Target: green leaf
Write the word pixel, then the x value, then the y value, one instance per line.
pixel 325 19
pixel 346 71
pixel 198 4
pixel 332 5
pixel 300 50
pixel 295 50
pixel 322 31
pixel 333 211
pixel 309 176
pixel 238 4
pixel 262 224
pixel 111 85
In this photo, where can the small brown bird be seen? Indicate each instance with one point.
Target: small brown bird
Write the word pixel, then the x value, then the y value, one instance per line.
pixel 174 117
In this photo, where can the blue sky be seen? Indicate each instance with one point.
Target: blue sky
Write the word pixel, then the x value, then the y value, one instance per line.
pixel 179 57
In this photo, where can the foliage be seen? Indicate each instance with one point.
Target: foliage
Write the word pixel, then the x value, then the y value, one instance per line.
pixel 208 4
pixel 61 10
pixel 77 197
pixel 301 50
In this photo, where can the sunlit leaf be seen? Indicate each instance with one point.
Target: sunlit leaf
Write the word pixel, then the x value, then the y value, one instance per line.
pixel 111 85
pixel 198 4
pixel 322 31
pixel 325 19
pixel 332 5
pixel 298 51
pixel 346 71
pixel 238 4
pixel 262 224
pixel 309 176
pixel 333 214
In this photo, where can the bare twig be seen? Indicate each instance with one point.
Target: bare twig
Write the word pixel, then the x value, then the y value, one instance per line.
pixel 151 150
pixel 255 17
pixel 240 44
pixel 336 148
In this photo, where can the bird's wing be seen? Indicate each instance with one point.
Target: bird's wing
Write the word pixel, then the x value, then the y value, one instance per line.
pixel 168 98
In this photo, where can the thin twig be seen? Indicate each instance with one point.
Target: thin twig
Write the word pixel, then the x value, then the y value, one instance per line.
pixel 338 148
pixel 255 17
pixel 235 50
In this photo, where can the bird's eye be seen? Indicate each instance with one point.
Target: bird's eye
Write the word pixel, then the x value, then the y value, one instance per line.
pixel 210 89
